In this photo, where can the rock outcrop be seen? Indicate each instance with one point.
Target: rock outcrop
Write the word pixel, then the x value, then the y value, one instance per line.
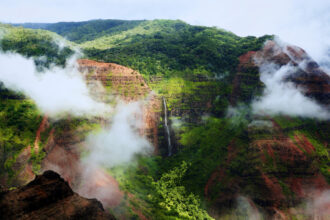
pixel 48 196
pixel 63 155
pixel 64 151
pixel 120 81
pixel 128 85
pixel 63 147
pixel 308 77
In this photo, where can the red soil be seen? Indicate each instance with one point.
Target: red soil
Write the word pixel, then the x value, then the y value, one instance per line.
pixel 130 86
pixel 97 183
pixel 219 174
pixel 124 82
pixel 303 142
pixel 44 124
pixel 275 190
pixel 90 182
pixel 247 59
pixel 308 186
pixel 63 154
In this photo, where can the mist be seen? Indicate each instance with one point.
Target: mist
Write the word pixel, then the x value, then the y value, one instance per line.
pixel 56 91
pixel 116 144
pixel 247 209
pixel 121 141
pixel 318 206
pixel 238 115
pixel 282 96
pixel 285 98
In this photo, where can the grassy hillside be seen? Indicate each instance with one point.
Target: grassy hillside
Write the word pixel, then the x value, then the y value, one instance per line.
pixel 84 31
pixel 19 120
pixel 173 48
pixel 44 46
pixel 164 47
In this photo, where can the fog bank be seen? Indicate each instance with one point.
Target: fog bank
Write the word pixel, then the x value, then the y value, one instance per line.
pixel 56 91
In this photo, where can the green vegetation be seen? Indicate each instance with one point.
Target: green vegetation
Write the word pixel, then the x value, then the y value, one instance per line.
pixel 19 120
pixel 313 131
pixel 182 93
pixel 316 133
pixel 205 147
pixel 172 198
pixel 43 46
pixel 87 30
pixel 171 47
pixel 167 197
pixel 173 187
pixel 19 116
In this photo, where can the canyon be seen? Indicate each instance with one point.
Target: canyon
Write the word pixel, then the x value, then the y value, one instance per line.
pixel 238 161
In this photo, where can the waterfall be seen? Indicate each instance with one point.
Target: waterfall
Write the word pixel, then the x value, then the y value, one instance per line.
pixel 167 129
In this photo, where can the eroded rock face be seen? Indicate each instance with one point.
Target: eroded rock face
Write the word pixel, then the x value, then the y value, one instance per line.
pixel 308 77
pixel 121 81
pixel 63 148
pixel 63 154
pixel 128 85
pixel 48 196
pixel 275 171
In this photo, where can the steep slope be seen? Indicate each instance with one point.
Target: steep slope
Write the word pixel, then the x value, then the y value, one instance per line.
pixel 84 31
pixel 158 46
pixel 280 161
pixel 275 168
pixel 64 151
pixel 167 47
pixel 44 47
pixel 128 85
pixel 119 80
pixel 58 145
pixel 275 163
pixel 48 196
pixel 20 140
pixel 63 155
pixel 308 77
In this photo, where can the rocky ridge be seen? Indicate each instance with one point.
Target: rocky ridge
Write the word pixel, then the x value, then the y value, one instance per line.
pixel 308 77
pixel 48 196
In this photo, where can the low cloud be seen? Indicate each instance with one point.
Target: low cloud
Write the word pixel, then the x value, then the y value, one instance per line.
pixel 120 142
pixel 56 91
pixel 318 207
pixel 281 97
pixel 238 115
pixel 176 123
pixel 85 166
pixel 245 209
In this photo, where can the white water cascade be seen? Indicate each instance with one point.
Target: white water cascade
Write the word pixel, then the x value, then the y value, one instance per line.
pixel 167 129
